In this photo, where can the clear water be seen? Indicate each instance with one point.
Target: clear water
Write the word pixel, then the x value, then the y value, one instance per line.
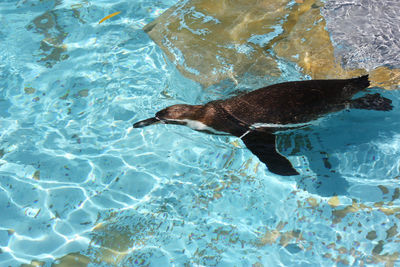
pixel 375 27
pixel 76 179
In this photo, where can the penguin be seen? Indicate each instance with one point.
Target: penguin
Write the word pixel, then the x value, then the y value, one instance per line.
pixel 255 117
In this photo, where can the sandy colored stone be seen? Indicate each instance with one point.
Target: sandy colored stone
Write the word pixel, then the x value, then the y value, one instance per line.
pixel 34 263
pixel 313 202
pixel 388 259
pixel 386 78
pixel 270 237
pixel 72 259
pixel 208 40
pixel 29 90
pixel 391 232
pixel 114 246
pixel 334 201
pixel 36 175
pixel 214 40
pixel 307 43
pixel 338 215
pixel 389 211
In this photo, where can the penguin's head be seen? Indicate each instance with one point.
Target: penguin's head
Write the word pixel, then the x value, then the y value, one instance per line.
pixel 175 114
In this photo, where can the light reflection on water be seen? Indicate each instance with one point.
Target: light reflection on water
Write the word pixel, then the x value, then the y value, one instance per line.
pixel 79 185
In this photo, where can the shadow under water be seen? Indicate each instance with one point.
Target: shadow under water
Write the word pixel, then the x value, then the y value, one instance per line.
pixel 343 147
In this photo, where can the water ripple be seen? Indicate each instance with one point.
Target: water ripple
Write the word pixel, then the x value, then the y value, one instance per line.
pixel 78 185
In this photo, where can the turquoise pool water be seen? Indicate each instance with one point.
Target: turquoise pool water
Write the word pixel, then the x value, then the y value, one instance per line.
pixel 78 185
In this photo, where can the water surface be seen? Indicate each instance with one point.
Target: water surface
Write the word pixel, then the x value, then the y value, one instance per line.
pixel 78 184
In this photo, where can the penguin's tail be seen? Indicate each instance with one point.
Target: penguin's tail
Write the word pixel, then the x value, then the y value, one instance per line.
pixel 360 82
pixel 354 85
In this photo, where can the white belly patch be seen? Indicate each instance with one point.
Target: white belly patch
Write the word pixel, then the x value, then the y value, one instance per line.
pixel 289 125
pixel 274 125
pixel 198 126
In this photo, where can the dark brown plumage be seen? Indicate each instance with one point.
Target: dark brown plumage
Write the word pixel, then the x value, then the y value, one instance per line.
pixel 255 116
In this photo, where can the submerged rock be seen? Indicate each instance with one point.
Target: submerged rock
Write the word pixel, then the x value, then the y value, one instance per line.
pixel 210 41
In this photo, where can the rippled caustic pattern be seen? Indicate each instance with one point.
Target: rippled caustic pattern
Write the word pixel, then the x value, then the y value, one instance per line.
pixel 80 187
pixel 210 41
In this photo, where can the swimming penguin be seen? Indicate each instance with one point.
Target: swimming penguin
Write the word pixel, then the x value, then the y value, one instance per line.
pixel 254 117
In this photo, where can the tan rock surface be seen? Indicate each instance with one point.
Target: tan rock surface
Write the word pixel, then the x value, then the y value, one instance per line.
pixel 214 40
pixel 204 38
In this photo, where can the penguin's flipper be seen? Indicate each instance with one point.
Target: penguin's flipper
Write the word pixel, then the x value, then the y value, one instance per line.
pixel 263 146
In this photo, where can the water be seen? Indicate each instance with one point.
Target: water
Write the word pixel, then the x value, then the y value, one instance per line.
pixel 79 185
pixel 376 39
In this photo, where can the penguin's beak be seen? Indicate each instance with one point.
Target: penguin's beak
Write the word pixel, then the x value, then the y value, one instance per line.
pixel 147 122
